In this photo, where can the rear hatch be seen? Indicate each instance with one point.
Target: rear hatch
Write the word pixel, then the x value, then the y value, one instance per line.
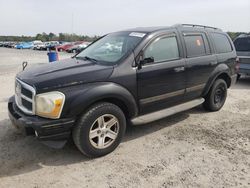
pixel 242 46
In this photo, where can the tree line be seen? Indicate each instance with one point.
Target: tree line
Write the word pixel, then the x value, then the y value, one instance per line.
pixel 49 37
pixel 71 37
pixel 233 35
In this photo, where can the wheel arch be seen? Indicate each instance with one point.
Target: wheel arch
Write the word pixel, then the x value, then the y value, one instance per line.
pixel 103 92
pixel 221 72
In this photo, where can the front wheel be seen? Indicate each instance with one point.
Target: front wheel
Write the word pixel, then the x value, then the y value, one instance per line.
pixel 217 95
pixel 100 130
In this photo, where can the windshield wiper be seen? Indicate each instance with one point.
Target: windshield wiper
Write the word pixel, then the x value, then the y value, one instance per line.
pixel 87 58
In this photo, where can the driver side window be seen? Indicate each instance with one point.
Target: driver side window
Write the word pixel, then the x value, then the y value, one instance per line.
pixel 163 49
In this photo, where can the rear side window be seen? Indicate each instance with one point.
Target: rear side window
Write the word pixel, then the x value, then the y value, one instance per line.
pixel 242 44
pixel 163 49
pixel 221 42
pixel 195 45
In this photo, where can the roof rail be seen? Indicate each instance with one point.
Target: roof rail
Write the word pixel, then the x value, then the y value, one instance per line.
pixel 195 25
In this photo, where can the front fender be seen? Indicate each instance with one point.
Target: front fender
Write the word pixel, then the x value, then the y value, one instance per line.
pixel 219 70
pixel 81 97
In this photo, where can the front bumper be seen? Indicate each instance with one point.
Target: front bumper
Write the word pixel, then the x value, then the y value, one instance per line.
pixel 44 129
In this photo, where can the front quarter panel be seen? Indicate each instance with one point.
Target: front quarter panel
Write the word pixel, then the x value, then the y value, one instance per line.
pixel 79 98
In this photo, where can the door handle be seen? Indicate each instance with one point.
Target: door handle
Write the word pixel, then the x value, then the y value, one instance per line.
pixel 213 63
pixel 179 69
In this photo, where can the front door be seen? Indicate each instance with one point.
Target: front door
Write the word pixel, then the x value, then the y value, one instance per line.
pixel 161 78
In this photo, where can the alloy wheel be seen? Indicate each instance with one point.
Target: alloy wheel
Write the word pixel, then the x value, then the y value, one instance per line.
pixel 104 131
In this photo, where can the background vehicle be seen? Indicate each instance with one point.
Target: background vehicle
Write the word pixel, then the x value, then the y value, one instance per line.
pixel 44 46
pixel 134 76
pixel 38 45
pixel 64 47
pixel 75 48
pixel 81 47
pixel 242 45
pixel 24 45
pixel 52 45
pixel 10 44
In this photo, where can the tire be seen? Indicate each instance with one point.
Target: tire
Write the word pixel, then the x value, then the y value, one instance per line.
pixel 98 143
pixel 216 96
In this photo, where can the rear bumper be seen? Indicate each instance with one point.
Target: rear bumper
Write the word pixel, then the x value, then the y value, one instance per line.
pixel 244 65
pixel 44 129
pixel 244 69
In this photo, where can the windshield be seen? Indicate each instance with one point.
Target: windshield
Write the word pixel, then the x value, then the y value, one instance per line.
pixel 242 44
pixel 111 48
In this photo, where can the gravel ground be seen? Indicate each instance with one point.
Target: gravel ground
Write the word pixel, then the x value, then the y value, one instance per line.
pixel 191 149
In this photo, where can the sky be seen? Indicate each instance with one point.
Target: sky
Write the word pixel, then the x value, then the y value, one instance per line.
pixel 98 17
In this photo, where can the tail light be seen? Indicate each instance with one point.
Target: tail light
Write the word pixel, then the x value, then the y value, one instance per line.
pixel 237 66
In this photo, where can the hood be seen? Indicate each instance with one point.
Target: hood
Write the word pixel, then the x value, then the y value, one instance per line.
pixel 64 73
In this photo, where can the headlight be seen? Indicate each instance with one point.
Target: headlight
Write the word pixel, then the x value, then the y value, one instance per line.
pixel 50 104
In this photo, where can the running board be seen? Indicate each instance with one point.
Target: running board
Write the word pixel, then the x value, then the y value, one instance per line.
pixel 147 118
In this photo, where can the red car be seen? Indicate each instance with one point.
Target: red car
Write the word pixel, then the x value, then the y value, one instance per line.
pixel 64 47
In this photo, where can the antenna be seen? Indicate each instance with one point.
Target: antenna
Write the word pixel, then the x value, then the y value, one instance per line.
pixel 72 23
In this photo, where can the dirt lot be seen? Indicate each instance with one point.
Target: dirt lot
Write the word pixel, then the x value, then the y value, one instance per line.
pixel 191 149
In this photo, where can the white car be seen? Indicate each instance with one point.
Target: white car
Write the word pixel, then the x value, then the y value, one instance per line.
pixel 38 45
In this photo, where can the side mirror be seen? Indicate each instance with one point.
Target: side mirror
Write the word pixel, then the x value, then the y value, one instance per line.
pixel 147 60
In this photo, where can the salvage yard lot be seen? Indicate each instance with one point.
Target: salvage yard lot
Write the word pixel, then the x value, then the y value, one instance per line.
pixel 193 148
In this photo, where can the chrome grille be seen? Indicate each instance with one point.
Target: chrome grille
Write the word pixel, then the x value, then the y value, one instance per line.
pixel 24 96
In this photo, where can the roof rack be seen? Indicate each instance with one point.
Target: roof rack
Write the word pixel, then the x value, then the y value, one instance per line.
pixel 194 25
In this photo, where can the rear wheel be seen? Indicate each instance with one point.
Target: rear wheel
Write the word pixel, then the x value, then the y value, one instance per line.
pixel 216 97
pixel 100 130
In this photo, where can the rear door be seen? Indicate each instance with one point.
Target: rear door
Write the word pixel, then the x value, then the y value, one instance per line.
pixel 200 62
pixel 161 83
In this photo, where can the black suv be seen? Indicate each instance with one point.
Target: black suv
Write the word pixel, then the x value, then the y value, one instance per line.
pixel 242 45
pixel 127 77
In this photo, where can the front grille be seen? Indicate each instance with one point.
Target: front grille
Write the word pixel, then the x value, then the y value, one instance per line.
pixel 24 96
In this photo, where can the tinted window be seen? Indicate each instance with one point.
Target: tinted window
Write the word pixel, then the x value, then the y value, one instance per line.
pixel 242 44
pixel 221 42
pixel 195 45
pixel 163 49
